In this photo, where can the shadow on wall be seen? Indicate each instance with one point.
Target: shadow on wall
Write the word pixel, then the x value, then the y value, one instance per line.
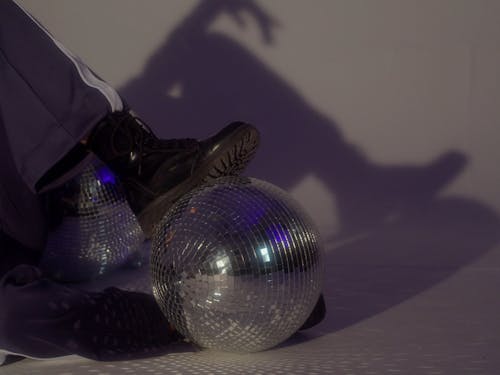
pixel 199 80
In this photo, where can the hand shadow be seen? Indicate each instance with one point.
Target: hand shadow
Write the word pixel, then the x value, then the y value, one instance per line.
pixel 198 80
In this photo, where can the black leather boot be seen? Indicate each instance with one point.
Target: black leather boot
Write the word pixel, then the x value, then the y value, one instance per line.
pixel 156 172
pixel 44 319
pixel 317 315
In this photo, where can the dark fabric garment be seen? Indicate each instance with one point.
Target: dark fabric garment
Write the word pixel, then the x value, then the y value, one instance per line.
pixel 22 213
pixel 46 107
pixel 12 254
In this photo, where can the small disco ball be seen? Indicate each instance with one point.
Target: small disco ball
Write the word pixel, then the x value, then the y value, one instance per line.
pixel 236 265
pixel 97 233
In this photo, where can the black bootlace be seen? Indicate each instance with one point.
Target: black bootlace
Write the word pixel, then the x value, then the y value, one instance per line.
pixel 146 140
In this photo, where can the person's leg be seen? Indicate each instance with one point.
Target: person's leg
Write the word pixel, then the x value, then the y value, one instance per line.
pixel 49 99
pixel 49 103
pixel 22 215
pixel 12 254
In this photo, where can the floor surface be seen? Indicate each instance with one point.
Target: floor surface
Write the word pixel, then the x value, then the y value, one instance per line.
pixel 418 295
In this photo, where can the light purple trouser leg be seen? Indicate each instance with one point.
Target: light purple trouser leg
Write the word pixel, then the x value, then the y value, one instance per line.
pixel 49 100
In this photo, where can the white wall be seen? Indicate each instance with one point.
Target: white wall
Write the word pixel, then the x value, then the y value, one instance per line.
pixel 402 80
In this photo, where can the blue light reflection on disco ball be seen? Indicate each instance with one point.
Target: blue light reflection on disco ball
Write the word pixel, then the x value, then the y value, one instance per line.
pixel 236 265
pixel 98 232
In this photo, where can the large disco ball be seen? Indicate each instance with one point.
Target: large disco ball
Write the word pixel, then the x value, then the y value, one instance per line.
pixel 97 233
pixel 236 265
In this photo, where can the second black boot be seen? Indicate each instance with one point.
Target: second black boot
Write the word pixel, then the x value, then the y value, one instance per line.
pixel 157 172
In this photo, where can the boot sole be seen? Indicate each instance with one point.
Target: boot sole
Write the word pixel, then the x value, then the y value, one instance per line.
pixel 230 158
